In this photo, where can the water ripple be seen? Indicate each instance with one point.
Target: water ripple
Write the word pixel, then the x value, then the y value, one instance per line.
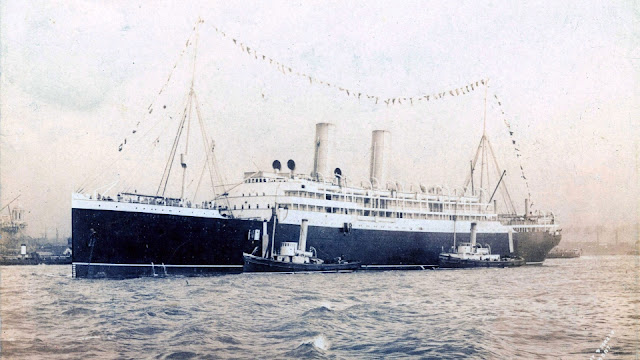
pixel 565 309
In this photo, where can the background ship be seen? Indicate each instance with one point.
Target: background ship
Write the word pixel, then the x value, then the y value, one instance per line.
pixel 13 247
pixel 16 248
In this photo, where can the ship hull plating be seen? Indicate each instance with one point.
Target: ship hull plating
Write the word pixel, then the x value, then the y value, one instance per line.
pixel 129 244
pixel 379 250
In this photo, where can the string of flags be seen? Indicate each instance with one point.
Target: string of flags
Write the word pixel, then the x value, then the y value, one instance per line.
pixel 288 70
pixel 357 94
pixel 515 145
pixel 150 108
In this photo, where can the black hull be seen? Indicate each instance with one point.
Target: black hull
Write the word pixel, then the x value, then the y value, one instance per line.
pixel 130 244
pixel 448 262
pixel 380 250
pixel 260 264
pixel 117 244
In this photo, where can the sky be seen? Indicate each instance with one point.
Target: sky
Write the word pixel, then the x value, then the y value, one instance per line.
pixel 77 77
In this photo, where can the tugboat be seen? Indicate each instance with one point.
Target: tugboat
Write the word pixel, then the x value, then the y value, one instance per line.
pixel 473 255
pixel 293 257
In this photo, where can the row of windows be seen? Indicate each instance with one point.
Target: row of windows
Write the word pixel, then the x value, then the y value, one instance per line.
pixel 235 207
pixel 381 203
pixel 383 213
pixel 262 180
pixel 374 213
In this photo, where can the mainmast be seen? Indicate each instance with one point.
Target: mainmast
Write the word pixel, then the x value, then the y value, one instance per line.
pixel 183 156
pixel 484 152
pixel 185 122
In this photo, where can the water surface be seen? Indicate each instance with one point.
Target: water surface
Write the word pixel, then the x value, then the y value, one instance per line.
pixel 565 309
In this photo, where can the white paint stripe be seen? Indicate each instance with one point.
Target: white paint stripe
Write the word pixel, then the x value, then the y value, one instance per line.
pixel 158 265
pixel 144 208
pixel 394 266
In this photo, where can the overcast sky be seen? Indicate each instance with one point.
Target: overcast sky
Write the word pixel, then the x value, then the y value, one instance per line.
pixel 78 77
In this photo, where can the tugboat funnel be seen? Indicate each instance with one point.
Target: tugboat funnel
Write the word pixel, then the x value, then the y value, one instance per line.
pixel 510 240
pixel 265 239
pixel 302 242
pixel 473 235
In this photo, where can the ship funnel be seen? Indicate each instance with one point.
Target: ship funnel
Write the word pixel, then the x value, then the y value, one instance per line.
pixel 380 142
pixel 265 239
pixel 302 240
pixel 323 145
pixel 473 234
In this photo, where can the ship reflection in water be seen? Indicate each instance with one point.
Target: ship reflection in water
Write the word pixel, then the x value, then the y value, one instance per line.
pixel 562 310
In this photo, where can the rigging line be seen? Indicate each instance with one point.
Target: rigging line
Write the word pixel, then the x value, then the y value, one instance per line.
pixel 195 194
pixel 484 123
pixel 482 164
pixel 209 142
pixel 151 146
pixel 195 52
pixel 235 185
pixel 172 154
pixel 208 147
pixel 504 181
pixel 526 182
pixel 475 160
pixel 89 180
pixel 187 43
pixel 183 161
pixel 186 146
pixel 488 172
pixel 193 79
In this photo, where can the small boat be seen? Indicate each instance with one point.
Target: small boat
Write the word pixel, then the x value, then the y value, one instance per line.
pixel 294 263
pixel 293 257
pixel 473 255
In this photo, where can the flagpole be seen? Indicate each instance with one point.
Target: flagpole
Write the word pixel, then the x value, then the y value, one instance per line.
pixel 484 123
pixel 483 142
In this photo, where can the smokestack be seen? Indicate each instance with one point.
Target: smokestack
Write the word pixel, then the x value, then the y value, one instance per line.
pixel 473 234
pixel 302 240
pixel 323 145
pixel 380 142
pixel 265 239
pixel 510 240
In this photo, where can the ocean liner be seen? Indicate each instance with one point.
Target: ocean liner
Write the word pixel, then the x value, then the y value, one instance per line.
pixel 380 224
pixel 383 227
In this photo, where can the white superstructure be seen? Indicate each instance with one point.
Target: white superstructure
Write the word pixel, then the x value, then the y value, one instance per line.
pixel 376 205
